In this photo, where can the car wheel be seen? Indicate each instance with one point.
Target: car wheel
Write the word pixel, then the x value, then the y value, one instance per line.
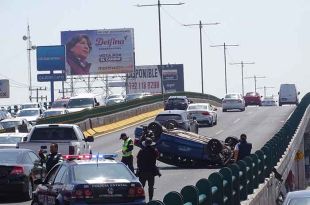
pixel 35 202
pixel 215 122
pixel 28 193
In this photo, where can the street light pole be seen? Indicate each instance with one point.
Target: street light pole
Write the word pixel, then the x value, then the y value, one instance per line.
pixel 242 79
pixel 160 43
pixel 30 47
pixel 201 56
pixel 225 47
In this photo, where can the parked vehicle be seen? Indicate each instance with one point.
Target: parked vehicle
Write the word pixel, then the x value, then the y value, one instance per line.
pixel 31 114
pixel 269 101
pixel 19 168
pixel 252 98
pixel 113 101
pixel 288 94
pixel 69 137
pixel 177 103
pixel 10 125
pixel 186 149
pixel 81 102
pixel 60 103
pixel 204 113
pixel 177 119
pixel 233 101
pixel 11 139
pixel 89 179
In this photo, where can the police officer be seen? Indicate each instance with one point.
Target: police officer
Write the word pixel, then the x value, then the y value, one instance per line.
pixel 243 148
pixel 51 159
pixel 127 148
pixel 146 162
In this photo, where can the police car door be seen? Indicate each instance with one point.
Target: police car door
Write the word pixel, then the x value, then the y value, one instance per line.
pixel 45 193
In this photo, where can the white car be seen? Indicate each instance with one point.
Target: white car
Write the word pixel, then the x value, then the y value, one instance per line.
pixel 269 101
pixel 18 122
pixel 81 102
pixel 31 114
pixel 233 101
pixel 54 112
pixel 10 140
pixel 204 113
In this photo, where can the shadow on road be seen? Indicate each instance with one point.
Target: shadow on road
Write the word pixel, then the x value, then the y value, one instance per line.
pixel 11 199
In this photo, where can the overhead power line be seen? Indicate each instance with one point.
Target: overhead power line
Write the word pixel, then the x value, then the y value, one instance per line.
pixel 242 65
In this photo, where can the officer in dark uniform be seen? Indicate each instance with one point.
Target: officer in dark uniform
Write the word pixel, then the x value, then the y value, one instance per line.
pixel 51 159
pixel 146 162
pixel 243 148
pixel 127 157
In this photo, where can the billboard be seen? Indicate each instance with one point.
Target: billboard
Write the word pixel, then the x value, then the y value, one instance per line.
pixel 4 89
pixel 107 51
pixel 50 58
pixel 148 79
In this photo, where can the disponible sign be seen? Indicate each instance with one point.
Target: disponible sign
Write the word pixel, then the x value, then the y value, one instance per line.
pixel 148 79
pixel 50 58
pixel 105 51
pixel 4 89
pixel 144 79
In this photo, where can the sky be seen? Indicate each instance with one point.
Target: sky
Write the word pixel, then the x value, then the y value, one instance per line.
pixel 275 35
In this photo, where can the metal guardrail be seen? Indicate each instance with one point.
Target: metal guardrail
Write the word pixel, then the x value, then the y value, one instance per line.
pixel 233 184
pixel 107 110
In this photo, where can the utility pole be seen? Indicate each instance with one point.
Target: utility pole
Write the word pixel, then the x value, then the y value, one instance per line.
pixel 200 35
pixel 37 94
pixel 242 65
pixel 30 47
pixel 265 89
pixel 225 47
pixel 159 31
pixel 255 79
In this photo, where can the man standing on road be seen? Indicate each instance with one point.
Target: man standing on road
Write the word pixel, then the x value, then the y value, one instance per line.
pixel 242 149
pixel 146 162
pixel 127 148
pixel 51 159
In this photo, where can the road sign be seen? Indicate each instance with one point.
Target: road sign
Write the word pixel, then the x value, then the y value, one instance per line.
pixel 50 58
pixel 51 77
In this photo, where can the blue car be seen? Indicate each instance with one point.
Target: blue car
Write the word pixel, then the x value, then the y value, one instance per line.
pixel 89 179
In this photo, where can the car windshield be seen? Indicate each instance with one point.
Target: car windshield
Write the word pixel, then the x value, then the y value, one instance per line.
pixel 300 201
pixel 23 113
pixel 134 96
pixel 168 117
pixel 9 124
pixel 114 96
pixel 232 96
pixel 101 172
pixel 8 157
pixel 10 140
pixel 28 106
pixel 250 94
pixel 53 134
pixel 80 103
pixel 52 113
pixel 198 107
pixel 59 104
pixel 176 100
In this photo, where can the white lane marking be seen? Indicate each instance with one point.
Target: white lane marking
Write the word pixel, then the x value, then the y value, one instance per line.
pixel 219 132
pixel 237 120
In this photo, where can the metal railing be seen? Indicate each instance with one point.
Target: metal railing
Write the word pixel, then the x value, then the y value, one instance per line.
pixel 233 184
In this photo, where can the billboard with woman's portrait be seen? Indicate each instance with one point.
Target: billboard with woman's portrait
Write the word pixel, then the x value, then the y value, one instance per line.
pixel 94 52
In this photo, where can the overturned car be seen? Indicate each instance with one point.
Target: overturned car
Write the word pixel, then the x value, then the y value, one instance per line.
pixel 186 149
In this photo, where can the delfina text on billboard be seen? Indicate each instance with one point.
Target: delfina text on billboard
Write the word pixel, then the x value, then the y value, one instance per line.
pixel 107 51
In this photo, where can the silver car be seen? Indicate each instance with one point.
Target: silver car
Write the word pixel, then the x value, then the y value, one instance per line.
pixel 204 113
pixel 233 101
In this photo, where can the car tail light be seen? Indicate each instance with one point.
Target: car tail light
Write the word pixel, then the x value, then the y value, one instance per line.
pixel 71 150
pixel 136 192
pixel 206 113
pixel 84 193
pixel 136 142
pixel 17 170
